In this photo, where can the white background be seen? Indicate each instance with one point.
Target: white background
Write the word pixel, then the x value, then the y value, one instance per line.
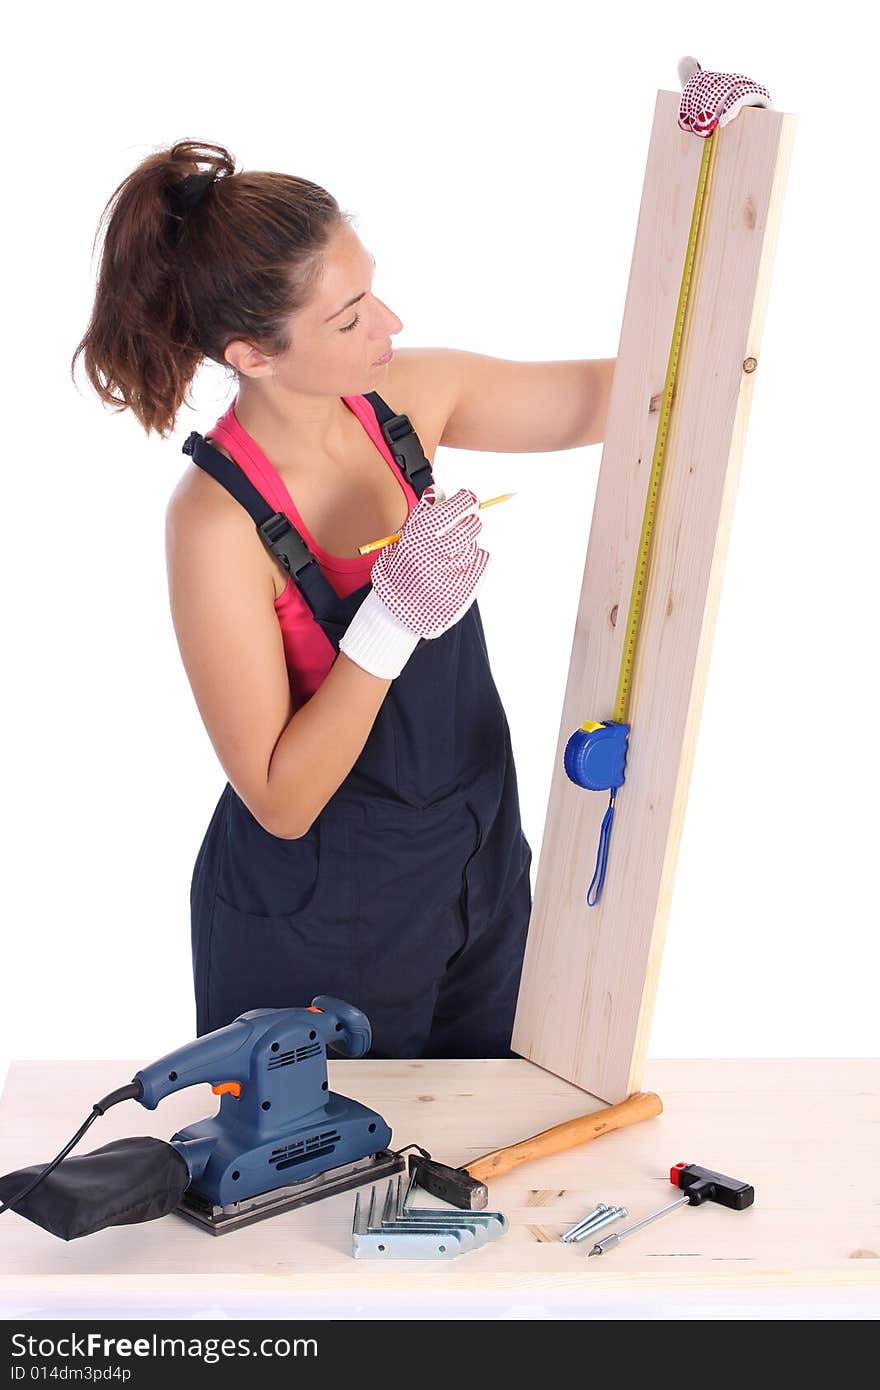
pixel 494 155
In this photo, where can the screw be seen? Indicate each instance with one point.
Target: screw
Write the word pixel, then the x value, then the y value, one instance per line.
pixel 615 1214
pixel 590 1223
pixel 585 1220
pixel 610 1241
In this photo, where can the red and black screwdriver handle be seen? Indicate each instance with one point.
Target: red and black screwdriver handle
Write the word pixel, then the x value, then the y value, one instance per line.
pixel 702 1185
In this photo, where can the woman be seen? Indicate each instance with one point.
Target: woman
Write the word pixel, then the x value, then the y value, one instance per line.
pixel 368 842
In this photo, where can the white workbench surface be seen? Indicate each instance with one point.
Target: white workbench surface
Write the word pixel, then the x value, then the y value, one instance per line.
pixel 805 1133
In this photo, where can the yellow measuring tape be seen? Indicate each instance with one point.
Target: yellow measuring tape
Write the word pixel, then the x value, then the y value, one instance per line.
pixel 621 704
pixel 596 752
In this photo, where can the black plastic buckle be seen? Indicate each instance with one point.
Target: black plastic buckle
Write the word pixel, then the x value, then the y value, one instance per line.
pixel 281 537
pixel 405 445
pixel 189 443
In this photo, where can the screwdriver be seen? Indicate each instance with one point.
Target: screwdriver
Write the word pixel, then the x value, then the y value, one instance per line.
pixel 387 540
pixel 701 1185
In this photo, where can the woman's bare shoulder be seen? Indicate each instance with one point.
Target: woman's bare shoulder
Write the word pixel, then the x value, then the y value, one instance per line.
pixel 201 516
pixel 199 501
pixel 422 382
pixel 198 498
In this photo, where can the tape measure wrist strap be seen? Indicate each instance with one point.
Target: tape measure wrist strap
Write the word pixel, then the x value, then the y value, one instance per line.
pixel 602 855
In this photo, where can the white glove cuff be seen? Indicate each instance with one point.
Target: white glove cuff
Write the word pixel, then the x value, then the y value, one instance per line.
pixel 377 641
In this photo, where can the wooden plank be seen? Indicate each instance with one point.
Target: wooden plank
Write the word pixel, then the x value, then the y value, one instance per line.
pixel 590 973
pixel 754 1119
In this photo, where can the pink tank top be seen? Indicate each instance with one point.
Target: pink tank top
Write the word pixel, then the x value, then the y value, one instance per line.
pixel 309 653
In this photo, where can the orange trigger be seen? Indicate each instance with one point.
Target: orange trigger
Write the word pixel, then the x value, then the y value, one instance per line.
pixel 233 1086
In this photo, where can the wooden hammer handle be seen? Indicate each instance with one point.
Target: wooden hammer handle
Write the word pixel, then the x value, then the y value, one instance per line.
pixel 640 1106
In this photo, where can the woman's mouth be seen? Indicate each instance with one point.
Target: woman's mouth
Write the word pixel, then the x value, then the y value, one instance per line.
pixel 386 357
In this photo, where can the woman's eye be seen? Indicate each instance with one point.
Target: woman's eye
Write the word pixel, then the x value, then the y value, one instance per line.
pixel 349 326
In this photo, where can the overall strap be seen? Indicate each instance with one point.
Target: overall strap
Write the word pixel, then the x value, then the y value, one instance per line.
pixel 404 443
pixel 278 534
pixel 277 531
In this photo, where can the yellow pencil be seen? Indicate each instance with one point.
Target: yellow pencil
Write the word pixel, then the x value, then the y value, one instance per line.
pixel 387 540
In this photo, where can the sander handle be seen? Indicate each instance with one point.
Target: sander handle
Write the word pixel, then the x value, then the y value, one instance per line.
pixel 640 1106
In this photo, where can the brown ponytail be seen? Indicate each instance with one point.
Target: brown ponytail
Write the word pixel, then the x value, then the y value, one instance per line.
pixel 177 286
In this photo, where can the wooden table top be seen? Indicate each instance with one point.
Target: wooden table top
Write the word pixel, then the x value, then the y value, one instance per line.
pixel 805 1133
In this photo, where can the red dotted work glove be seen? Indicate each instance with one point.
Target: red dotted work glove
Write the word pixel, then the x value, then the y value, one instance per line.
pixel 712 99
pixel 428 579
pixel 421 584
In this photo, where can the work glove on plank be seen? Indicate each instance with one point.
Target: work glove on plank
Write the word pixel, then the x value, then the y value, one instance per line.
pixel 712 99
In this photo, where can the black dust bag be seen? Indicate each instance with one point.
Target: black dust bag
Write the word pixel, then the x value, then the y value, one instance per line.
pixel 124 1182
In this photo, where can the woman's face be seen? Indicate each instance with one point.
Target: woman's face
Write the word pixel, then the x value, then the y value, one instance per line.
pixel 338 337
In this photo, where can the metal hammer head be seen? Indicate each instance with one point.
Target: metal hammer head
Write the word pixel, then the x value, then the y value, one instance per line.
pixel 453 1185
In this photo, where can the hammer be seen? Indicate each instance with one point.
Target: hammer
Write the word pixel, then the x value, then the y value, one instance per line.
pixel 466 1187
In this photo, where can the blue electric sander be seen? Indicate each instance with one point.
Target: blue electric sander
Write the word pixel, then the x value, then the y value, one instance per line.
pixel 280 1138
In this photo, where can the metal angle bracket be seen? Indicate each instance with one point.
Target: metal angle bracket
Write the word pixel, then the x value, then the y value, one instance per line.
pixel 411 1233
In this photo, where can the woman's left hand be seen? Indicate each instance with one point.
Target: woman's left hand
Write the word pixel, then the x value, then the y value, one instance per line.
pixel 712 99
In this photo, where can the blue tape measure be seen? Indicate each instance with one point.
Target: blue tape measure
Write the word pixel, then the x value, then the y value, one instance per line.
pixel 595 758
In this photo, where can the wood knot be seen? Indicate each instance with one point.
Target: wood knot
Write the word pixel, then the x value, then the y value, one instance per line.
pixel 540 1233
pixel 544 1196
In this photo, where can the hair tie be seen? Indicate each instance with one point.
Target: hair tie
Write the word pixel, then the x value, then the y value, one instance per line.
pixel 186 193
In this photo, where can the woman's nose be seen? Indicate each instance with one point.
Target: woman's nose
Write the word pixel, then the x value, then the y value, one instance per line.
pixel 389 322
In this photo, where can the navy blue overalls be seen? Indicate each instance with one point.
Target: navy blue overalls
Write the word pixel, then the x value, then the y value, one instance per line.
pixel 409 896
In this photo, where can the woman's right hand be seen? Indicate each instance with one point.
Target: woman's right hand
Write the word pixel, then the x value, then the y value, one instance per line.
pixel 422 583
pixel 429 577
